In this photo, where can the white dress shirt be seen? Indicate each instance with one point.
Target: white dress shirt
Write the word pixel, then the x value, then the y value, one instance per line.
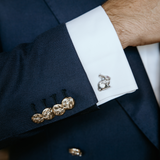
pixel 100 52
pixel 150 56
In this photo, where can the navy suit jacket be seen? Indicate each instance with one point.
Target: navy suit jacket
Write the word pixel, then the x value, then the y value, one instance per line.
pixel 38 59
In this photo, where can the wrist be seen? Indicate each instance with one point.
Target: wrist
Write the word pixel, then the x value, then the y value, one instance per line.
pixel 122 24
pixel 122 33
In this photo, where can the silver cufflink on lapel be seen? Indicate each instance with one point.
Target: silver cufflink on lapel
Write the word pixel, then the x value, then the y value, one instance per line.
pixel 104 83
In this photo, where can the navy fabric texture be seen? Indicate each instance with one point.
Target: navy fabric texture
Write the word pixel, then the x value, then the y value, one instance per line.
pixel 37 60
pixel 143 100
pixel 32 72
pixel 108 133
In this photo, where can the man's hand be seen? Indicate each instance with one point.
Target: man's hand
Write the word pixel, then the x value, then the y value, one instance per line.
pixel 137 22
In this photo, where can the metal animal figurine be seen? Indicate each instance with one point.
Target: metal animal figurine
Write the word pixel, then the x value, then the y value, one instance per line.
pixel 104 83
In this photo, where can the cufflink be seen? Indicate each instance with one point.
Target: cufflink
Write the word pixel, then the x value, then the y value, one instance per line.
pixel 104 83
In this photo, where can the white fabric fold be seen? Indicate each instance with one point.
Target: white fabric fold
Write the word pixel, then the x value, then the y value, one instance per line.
pixel 151 59
pixel 100 52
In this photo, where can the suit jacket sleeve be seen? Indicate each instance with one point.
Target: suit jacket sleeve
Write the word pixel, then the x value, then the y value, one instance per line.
pixel 32 72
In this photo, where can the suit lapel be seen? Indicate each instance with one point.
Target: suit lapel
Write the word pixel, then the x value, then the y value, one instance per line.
pixel 141 105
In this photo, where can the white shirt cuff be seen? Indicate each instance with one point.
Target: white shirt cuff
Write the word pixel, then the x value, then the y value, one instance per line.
pixel 100 52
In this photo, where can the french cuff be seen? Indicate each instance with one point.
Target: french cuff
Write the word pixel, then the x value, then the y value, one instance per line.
pixel 100 52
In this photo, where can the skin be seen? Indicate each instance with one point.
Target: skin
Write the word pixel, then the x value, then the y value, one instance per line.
pixel 137 22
